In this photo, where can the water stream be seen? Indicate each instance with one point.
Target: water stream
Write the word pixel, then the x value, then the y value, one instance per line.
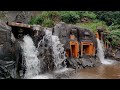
pixel 54 43
pixel 30 55
pixel 101 54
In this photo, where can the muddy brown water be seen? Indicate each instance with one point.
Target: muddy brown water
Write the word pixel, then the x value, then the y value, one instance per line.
pixel 101 72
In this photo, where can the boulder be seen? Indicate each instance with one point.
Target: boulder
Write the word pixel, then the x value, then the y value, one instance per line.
pixel 117 55
pixel 61 30
pixel 7 49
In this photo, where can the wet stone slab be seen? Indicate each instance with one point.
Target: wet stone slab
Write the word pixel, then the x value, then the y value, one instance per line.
pixel 64 73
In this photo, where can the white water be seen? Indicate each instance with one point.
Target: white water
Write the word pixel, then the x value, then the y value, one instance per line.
pixel 31 60
pixel 43 76
pixel 101 54
pixel 30 53
pixel 58 50
pixel 62 70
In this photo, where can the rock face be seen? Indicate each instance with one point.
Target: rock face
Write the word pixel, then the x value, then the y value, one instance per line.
pixel 5 39
pixel 117 54
pixel 63 31
pixel 112 54
pixel 7 56
pixel 12 61
pixel 45 51
pixel 10 52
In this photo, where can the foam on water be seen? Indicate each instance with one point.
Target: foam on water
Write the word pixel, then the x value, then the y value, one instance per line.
pixel 30 55
pixel 101 54
pixel 44 76
pixel 58 52
pixel 62 70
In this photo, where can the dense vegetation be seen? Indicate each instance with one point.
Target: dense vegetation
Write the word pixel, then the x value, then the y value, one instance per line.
pixel 110 20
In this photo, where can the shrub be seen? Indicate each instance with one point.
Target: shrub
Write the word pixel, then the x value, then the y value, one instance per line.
pixel 69 17
pixel 93 25
pixel 115 36
pixel 48 23
pixel 53 14
pixel 89 14
pixel 45 18
pixel 36 20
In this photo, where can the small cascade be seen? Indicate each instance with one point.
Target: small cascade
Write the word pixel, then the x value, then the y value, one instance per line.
pixel 32 63
pixel 101 53
pixel 58 52
pixel 53 42
pixel 35 58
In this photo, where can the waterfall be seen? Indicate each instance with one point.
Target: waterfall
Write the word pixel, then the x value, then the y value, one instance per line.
pixel 58 52
pixel 30 55
pixel 101 53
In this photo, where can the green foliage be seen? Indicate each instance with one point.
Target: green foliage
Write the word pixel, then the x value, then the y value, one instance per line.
pixel 69 16
pixel 46 18
pixel 89 14
pixel 53 14
pixel 115 36
pixel 48 23
pixel 107 19
pixel 110 17
pixel 36 20
pixel 114 27
pixel 92 25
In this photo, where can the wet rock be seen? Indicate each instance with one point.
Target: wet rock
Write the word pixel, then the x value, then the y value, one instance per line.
pixel 90 61
pixel 37 38
pixel 6 50
pixel 7 69
pixel 45 55
pixel 47 64
pixel 63 73
pixel 117 55
pixel 9 50
pixel 112 54
pixel 72 63
pixel 5 42
pixel 61 30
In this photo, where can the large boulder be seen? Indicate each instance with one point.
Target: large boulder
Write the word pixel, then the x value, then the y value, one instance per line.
pixel 62 31
pixel 8 50
pixel 6 54
pixel 117 54
pixel 5 41
pixel 113 54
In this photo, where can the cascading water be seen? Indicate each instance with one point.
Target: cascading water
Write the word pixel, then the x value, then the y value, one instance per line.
pixel 58 52
pixel 101 53
pixel 52 42
pixel 30 55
